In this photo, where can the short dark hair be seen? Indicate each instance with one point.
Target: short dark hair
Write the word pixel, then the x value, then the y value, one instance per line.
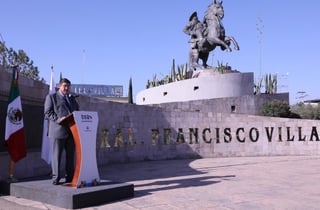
pixel 64 80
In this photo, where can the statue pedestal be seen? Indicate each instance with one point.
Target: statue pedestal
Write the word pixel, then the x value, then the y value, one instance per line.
pixel 207 85
pixel 211 72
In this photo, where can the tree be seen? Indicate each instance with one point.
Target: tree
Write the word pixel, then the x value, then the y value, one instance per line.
pixel 9 57
pixel 130 97
pixel 4 51
pixel 307 111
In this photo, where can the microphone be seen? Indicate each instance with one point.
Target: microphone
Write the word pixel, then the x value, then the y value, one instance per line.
pixel 74 95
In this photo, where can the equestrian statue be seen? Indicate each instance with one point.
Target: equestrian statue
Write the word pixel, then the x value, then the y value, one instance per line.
pixel 207 35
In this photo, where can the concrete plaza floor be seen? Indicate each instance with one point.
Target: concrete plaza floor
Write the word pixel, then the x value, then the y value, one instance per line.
pixel 281 182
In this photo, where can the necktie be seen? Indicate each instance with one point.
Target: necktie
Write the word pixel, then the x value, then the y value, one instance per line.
pixel 67 103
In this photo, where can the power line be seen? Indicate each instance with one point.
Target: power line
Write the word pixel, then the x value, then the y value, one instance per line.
pixel 301 95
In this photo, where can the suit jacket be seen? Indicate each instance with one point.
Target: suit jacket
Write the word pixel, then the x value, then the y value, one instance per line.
pixel 55 108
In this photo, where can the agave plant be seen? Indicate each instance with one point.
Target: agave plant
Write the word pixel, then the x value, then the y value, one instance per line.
pixel 221 68
pixel 172 77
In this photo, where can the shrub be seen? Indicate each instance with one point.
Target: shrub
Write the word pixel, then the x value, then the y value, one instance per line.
pixel 276 108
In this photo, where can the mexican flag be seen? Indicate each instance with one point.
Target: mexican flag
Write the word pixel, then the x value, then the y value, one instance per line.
pixel 14 132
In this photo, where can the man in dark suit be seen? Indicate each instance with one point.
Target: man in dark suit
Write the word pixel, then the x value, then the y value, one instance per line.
pixel 57 107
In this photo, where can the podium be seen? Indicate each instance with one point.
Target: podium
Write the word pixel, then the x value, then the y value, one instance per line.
pixel 84 125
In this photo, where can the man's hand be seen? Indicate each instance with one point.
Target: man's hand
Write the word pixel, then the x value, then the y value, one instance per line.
pixel 61 119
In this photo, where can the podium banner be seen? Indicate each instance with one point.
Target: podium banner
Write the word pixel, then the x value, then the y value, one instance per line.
pixel 84 130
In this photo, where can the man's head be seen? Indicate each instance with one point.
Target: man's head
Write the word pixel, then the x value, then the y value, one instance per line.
pixel 193 17
pixel 64 86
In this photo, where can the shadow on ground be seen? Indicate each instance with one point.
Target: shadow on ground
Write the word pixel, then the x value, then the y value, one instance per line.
pixel 151 176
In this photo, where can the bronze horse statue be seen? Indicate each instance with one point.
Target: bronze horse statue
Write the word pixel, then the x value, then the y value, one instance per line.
pixel 207 35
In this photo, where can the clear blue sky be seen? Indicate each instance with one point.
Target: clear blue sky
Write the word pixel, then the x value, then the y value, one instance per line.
pixel 109 41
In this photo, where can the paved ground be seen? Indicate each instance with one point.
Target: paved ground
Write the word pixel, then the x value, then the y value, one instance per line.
pixel 283 182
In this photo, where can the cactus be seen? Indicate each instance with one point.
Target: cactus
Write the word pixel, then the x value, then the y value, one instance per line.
pixel 258 87
pixel 275 84
pixel 271 84
pixel 182 72
pixel 173 71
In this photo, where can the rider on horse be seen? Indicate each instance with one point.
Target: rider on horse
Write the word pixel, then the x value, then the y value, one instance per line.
pixel 195 29
pixel 206 36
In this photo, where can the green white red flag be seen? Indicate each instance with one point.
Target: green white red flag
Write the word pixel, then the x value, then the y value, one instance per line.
pixel 14 131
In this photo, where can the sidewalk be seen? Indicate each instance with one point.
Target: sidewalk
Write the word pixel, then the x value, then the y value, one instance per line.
pixel 282 182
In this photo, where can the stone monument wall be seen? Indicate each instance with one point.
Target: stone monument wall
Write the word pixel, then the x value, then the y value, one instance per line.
pixel 128 132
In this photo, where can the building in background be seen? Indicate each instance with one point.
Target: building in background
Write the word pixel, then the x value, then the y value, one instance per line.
pixel 104 92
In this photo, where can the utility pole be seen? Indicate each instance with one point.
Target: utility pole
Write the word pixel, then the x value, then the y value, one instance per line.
pixel 301 95
pixel 260 27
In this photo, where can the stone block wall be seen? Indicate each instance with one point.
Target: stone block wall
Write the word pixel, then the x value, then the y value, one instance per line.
pixel 247 104
pixel 159 134
pixel 32 95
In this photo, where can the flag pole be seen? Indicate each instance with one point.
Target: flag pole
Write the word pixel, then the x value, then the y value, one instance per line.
pixel 11 169
pixel 11 163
